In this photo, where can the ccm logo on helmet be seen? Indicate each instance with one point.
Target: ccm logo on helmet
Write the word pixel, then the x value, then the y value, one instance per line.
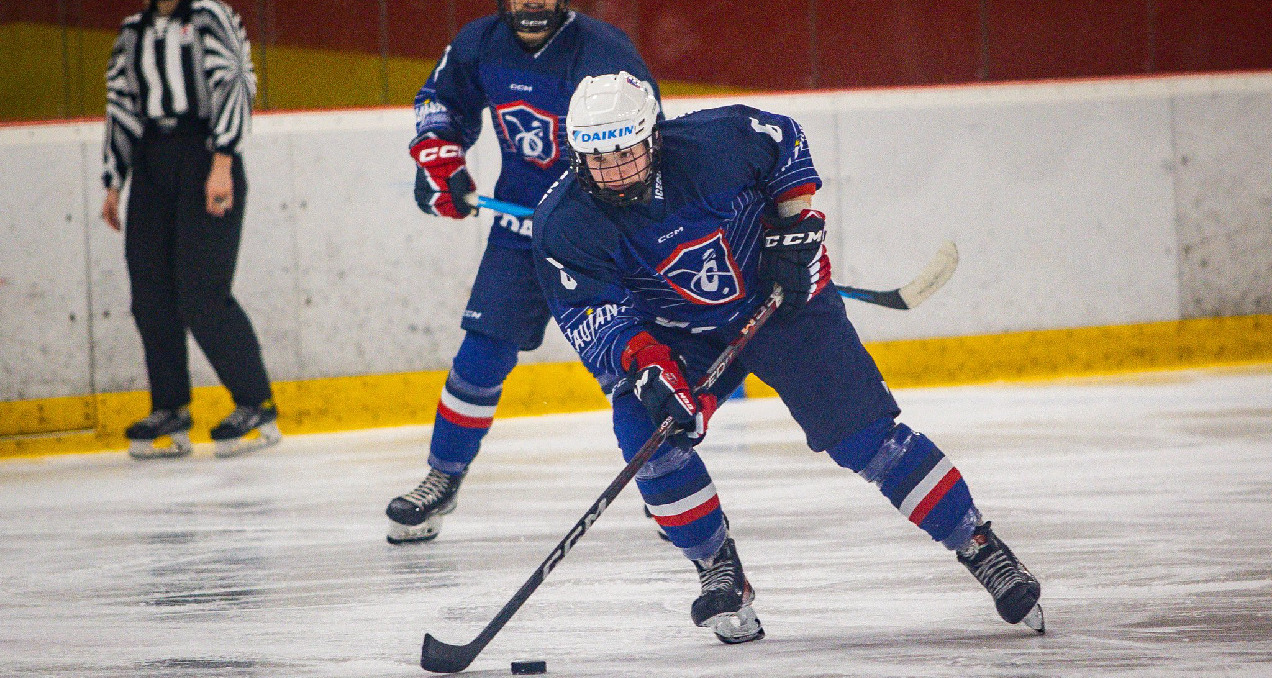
pixel 449 151
pixel 794 238
pixel 583 137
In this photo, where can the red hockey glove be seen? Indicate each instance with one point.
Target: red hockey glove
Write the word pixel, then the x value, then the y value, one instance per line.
pixel 442 180
pixel 660 385
pixel 795 257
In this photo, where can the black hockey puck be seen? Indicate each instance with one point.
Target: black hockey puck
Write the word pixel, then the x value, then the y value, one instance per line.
pixel 529 668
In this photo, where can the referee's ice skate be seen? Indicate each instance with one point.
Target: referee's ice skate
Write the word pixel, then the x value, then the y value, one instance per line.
pixel 1015 590
pixel 163 422
pixel 725 603
pixel 417 515
pixel 231 434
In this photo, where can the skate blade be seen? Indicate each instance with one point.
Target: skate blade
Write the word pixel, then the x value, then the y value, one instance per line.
pixel 237 447
pixel 405 534
pixel 146 449
pixel 1034 619
pixel 736 627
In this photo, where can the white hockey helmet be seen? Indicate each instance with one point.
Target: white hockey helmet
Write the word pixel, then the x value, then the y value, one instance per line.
pixel 611 113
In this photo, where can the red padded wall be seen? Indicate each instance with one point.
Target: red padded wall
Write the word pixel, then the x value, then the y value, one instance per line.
pixel 1066 38
pixel 896 42
pixel 785 44
pixel 721 42
pixel 1204 35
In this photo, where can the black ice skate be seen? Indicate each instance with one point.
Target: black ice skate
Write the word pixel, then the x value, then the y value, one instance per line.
pixel 725 603
pixel 417 515
pixel 230 433
pixel 172 423
pixel 1015 590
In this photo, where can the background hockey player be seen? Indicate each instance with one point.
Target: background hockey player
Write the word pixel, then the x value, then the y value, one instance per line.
pixel 654 250
pixel 523 64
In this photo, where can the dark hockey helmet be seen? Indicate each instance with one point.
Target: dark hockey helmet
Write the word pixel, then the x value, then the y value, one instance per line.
pixel 537 20
pixel 612 126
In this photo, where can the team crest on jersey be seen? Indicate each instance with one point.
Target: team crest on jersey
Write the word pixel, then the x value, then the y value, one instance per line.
pixel 533 132
pixel 704 272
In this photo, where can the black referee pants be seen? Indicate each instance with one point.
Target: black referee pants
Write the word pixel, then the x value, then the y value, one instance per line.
pixel 181 264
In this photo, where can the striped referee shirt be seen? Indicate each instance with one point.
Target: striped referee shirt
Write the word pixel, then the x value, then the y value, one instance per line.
pixel 195 63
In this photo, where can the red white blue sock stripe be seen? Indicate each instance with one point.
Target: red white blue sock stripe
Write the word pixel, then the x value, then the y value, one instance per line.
pixel 930 491
pixel 687 510
pixel 457 411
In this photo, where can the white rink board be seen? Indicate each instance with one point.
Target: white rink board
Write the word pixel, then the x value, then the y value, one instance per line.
pixel 1073 204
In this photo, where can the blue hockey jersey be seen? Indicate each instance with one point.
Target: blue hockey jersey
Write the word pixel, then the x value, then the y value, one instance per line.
pixel 689 257
pixel 528 95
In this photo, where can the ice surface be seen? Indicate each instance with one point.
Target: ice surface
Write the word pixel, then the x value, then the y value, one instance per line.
pixel 1142 503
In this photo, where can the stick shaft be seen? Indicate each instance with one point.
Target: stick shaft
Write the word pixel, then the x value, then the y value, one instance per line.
pixel 442 657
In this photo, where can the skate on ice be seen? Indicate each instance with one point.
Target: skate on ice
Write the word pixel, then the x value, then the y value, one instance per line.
pixel 171 423
pixel 417 515
pixel 231 434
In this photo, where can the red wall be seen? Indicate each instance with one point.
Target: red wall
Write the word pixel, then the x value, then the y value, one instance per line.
pixel 891 42
pixel 788 44
pixel 1196 35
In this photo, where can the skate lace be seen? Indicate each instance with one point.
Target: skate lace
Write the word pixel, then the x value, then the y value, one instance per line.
pixel 430 490
pixel 241 417
pixel 998 573
pixel 721 576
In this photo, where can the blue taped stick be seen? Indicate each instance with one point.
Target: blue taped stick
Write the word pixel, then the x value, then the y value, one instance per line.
pixel 504 207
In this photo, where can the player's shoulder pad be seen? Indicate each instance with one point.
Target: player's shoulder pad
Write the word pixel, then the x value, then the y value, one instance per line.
pixel 568 220
pixel 596 28
pixel 554 204
pixel 711 123
pixel 738 114
pixel 468 42
pixel 727 124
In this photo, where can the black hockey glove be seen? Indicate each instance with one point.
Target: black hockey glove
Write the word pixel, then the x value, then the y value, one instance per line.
pixel 660 385
pixel 795 257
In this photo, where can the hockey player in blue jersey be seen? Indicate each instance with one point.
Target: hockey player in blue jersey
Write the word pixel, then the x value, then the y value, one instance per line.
pixel 654 250
pixel 523 65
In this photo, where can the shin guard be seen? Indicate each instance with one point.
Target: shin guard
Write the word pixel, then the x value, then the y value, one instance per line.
pixel 915 476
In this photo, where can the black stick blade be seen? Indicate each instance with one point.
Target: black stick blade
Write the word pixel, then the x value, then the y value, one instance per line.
pixel 440 657
pixel 890 298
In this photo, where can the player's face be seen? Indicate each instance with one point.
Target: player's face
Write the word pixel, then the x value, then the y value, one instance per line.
pixel 619 169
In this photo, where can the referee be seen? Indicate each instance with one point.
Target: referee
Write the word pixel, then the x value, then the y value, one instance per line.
pixel 179 92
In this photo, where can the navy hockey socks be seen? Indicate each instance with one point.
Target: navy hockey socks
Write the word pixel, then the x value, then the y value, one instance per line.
pixel 467 407
pixel 915 476
pixel 674 483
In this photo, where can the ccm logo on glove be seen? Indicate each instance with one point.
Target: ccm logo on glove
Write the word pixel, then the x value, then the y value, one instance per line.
pixel 427 154
pixel 791 239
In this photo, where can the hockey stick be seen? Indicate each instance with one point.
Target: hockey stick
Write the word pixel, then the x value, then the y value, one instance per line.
pixel 440 657
pixel 936 274
pixel 498 205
